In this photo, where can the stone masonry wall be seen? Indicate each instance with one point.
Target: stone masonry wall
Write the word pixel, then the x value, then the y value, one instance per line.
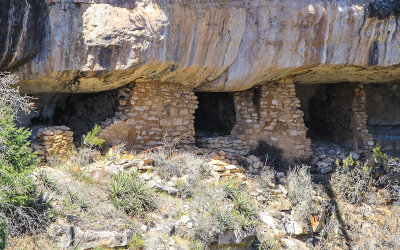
pixel 271 113
pixel 55 140
pixel 230 144
pixel 362 138
pixel 152 113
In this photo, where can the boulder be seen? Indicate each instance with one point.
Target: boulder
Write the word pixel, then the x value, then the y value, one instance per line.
pixel 71 236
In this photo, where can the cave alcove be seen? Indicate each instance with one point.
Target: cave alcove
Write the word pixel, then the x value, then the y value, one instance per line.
pixel 382 108
pixel 78 111
pixel 327 111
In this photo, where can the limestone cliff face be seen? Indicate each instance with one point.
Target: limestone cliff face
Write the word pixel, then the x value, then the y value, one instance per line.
pixel 21 30
pixel 211 45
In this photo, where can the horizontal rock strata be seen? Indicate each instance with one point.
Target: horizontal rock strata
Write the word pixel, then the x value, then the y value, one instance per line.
pixel 209 45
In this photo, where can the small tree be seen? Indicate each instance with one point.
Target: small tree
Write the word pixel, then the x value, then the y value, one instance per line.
pixel 92 138
pixel 16 162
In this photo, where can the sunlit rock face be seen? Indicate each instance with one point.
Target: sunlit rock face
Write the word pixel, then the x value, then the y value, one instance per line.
pixel 210 45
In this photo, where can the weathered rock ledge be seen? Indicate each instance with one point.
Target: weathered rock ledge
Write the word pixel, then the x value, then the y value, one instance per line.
pixel 96 45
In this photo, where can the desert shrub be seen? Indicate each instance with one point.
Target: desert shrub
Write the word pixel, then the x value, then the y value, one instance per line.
pixel 266 179
pixel 327 233
pixel 352 180
pixel 216 209
pixel 301 191
pixel 185 189
pixel 47 182
pixel 168 164
pixel 308 199
pixel 77 163
pixel 243 204
pixel 356 182
pixel 267 243
pixel 380 158
pixel 84 156
pixel 92 139
pixel 127 191
pixel 197 245
pixel 230 186
pixel 244 208
pixel 390 181
pixel 211 214
pixel 136 242
pixel 385 172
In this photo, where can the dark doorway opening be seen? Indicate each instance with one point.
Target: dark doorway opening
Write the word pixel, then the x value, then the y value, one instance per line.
pixel 78 111
pixel 328 112
pixel 215 115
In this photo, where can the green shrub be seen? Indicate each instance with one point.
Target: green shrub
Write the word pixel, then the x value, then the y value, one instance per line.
pixel 197 245
pixel 379 156
pixel 267 242
pixel 136 242
pixel 243 204
pixel 131 194
pixel 92 138
pixel 16 163
pixel 244 208
pixel 3 234
pixel 17 189
pixel 230 186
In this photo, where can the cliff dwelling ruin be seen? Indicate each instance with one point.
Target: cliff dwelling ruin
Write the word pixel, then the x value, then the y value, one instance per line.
pixel 284 114
pixel 168 80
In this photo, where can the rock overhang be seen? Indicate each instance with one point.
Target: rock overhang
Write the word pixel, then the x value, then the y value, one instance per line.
pixel 92 46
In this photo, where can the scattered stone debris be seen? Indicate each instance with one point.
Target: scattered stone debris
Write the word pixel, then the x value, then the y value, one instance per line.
pixel 325 155
pixel 220 168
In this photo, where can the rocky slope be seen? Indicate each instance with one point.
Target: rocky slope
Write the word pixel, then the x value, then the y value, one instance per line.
pixel 95 45
pixel 204 200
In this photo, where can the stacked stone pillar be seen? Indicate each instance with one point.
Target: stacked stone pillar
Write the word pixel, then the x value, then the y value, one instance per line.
pixel 362 138
pixel 55 140
pixel 271 113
